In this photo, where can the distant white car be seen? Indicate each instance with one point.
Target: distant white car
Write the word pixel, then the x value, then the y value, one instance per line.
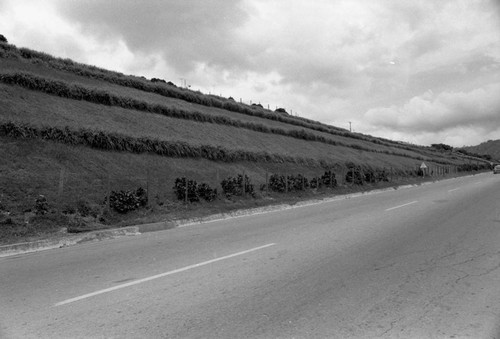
pixel 496 169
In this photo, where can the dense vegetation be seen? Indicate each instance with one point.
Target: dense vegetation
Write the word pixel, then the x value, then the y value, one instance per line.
pixel 122 143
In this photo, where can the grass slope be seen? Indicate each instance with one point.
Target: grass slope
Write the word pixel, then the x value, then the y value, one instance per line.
pixel 223 139
pixel 490 147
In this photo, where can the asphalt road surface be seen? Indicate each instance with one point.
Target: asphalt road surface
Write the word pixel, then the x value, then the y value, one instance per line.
pixel 421 262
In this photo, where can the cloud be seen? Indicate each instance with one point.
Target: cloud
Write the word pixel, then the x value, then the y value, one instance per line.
pixel 425 114
pixel 350 46
pixel 184 32
pixel 334 61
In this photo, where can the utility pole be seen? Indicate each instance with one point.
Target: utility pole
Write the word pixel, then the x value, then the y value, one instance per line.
pixel 183 82
pixel 350 127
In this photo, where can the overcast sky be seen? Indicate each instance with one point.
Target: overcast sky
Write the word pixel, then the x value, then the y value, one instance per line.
pixel 418 71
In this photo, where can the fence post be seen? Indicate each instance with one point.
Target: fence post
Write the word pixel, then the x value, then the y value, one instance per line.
pixel 186 195
pixel 108 192
pixel 61 186
pixel 244 185
pixel 147 188
pixel 267 184
pixel 286 183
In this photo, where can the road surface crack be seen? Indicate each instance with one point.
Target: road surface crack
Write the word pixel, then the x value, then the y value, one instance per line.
pixel 392 324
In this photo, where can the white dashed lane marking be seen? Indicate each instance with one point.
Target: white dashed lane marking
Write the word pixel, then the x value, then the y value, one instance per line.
pixel 395 207
pixel 140 281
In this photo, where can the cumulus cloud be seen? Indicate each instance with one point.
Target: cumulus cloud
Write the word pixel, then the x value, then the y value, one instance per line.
pixel 392 67
pixel 185 32
pixel 446 112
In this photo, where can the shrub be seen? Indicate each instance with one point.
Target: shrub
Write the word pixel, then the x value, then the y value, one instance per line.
pixel 374 176
pixel 277 183
pixel 297 182
pixel 369 175
pixel 382 175
pixel 68 209
pixel 83 207
pixel 354 176
pixel 237 186
pixel 41 205
pixel 315 183
pixel 126 201
pixel 192 190
pixel 206 192
pixel 328 179
pixel 158 80
pixel 3 39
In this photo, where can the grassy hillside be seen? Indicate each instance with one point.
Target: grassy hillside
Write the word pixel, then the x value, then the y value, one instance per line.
pixel 490 147
pixel 79 135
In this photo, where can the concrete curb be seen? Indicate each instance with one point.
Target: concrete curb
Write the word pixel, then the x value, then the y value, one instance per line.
pixel 70 240
pixel 65 241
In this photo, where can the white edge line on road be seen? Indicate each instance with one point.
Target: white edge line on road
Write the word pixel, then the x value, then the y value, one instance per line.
pixel 140 281
pixel 393 208
pixel 454 189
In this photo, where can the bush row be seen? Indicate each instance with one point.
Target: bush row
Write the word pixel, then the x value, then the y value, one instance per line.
pixel 190 191
pixel 289 183
pixel 187 190
pixel 354 175
pixel 79 92
pixel 157 87
pixel 473 167
pixel 117 142
pixel 241 185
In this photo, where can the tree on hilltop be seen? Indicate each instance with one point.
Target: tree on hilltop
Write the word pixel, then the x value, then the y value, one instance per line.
pixel 442 147
pixel 3 39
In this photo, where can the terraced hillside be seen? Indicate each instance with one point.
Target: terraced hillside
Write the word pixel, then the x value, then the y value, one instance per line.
pixel 75 133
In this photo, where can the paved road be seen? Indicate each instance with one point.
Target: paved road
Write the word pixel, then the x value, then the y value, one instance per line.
pixel 409 263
